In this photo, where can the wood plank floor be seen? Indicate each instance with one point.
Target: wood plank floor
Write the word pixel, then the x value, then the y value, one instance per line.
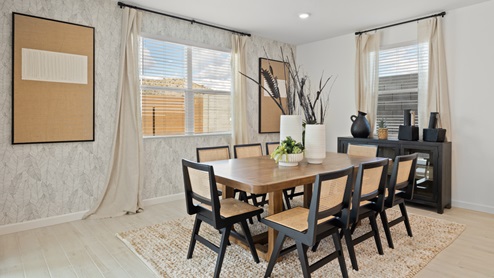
pixel 89 248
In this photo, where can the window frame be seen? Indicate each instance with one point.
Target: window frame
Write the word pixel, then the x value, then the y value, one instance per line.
pixel 189 92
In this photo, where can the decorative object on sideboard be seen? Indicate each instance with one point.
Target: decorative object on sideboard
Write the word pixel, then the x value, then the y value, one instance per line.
pixel 288 153
pixel 408 131
pixel 360 126
pixel 382 129
pixel 433 134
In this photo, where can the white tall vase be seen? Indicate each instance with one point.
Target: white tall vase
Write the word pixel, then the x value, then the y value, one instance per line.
pixel 315 143
pixel 291 125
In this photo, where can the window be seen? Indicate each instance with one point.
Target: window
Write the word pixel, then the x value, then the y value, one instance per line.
pixel 185 89
pixel 398 84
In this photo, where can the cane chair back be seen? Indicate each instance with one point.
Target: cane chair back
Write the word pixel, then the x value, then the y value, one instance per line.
pixel 213 153
pixel 271 146
pixel 362 150
pixel 247 150
pixel 370 185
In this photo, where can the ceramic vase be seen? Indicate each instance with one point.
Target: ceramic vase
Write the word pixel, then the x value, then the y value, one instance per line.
pixel 315 143
pixel 360 126
pixel 291 125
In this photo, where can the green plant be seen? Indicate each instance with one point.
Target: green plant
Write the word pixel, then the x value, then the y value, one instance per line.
pixel 287 146
pixel 382 123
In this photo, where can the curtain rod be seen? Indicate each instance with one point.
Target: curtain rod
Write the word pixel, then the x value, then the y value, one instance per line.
pixel 400 23
pixel 192 21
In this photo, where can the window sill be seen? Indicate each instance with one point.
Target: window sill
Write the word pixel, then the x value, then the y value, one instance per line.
pixel 187 135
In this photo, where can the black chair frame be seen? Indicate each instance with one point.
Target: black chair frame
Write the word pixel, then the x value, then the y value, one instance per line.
pixel 405 193
pixel 316 232
pixel 213 216
pixel 369 210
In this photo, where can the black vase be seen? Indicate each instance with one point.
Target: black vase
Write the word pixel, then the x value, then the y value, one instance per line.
pixel 360 127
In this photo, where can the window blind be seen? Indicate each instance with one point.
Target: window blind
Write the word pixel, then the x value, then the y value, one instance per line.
pixel 185 89
pixel 398 84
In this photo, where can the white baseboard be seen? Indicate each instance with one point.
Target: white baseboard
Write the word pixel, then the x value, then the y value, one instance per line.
pixel 59 219
pixel 472 206
pixel 163 199
pixel 43 222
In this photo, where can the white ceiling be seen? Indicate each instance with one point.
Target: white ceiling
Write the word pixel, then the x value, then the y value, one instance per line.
pixel 278 19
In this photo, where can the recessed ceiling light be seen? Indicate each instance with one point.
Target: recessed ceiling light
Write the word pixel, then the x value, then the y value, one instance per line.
pixel 304 15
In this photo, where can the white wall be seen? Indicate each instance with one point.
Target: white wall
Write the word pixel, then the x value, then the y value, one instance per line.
pixel 335 57
pixel 470 58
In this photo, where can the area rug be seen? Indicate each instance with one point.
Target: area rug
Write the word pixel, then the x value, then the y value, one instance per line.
pixel 163 248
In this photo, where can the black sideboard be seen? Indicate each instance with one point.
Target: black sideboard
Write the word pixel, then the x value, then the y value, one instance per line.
pixel 433 175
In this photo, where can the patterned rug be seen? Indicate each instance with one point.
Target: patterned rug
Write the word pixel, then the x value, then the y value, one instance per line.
pixel 163 248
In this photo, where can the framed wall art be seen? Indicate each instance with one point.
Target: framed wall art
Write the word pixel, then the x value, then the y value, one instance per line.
pixel 269 112
pixel 52 81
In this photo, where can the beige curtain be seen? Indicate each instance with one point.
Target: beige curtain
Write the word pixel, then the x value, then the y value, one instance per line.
pixel 239 96
pixel 433 81
pixel 367 75
pixel 123 188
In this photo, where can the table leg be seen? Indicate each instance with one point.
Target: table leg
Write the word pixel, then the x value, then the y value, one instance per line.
pixel 275 206
pixel 307 194
pixel 228 192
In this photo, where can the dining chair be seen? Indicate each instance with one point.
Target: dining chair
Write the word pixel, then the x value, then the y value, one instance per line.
pixel 202 199
pixel 329 211
pixel 289 193
pixel 362 150
pixel 400 188
pixel 205 154
pixel 250 150
pixel 271 146
pixel 367 202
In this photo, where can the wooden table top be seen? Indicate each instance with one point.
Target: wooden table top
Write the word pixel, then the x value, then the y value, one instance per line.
pixel 263 175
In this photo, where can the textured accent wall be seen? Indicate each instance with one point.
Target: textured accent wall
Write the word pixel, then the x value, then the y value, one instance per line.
pixel 44 180
pixel 163 155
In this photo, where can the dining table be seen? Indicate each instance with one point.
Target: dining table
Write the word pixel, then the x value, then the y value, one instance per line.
pixel 260 175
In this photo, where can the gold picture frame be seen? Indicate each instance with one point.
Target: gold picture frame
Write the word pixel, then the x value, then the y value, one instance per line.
pixel 52 81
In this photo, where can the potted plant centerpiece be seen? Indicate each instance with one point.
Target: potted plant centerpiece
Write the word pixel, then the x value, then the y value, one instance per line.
pixel 288 153
pixel 382 129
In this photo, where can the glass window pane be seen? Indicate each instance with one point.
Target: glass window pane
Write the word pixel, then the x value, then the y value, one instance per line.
pixel 211 113
pixel 185 89
pixel 211 69
pixel 164 64
pixel 163 112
